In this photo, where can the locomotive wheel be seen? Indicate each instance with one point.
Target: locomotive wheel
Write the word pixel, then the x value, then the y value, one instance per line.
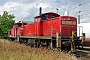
pixel 44 44
pixel 37 43
pixel 66 46
pixel 11 39
pixel 49 47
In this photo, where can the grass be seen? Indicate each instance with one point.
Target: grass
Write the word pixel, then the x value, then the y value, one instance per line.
pixel 14 51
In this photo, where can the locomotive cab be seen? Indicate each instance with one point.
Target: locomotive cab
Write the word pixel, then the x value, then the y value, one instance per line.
pixel 49 15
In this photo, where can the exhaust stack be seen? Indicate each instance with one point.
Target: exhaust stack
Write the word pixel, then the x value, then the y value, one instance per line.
pixel 40 10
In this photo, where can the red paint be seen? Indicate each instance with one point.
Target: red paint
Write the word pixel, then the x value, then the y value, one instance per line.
pixel 46 27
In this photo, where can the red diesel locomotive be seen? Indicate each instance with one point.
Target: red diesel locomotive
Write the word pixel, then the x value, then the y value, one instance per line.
pixel 49 30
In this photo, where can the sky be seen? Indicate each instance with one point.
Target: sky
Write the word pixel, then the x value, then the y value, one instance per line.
pixel 26 10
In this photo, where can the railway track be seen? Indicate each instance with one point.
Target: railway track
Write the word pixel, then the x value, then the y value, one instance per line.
pixel 82 54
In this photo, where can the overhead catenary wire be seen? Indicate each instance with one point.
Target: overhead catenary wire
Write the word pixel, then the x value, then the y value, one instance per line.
pixel 73 5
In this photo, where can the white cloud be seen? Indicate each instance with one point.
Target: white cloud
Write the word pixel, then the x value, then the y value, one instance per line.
pixel 27 9
pixel 23 9
pixel 8 6
pixel 43 5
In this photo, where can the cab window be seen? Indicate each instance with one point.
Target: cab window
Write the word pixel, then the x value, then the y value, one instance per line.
pixel 19 24
pixel 35 19
pixel 25 23
pixel 53 16
pixel 44 17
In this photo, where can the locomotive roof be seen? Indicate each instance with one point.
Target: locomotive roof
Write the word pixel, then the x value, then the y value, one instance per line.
pixel 48 13
pixel 21 22
pixel 68 16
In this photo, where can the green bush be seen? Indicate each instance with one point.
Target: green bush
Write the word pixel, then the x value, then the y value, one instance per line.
pixel 6 23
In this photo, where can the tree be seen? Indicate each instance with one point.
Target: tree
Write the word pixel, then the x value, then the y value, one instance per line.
pixel 6 23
